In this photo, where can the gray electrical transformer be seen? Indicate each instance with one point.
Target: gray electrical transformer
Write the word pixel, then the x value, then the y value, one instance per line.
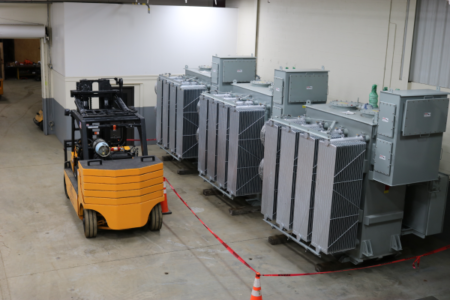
pixel 410 120
pixel 343 180
pixel 229 148
pixel 176 115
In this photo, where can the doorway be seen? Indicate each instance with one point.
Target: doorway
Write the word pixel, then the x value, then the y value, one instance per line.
pixel 21 59
pixel 20 86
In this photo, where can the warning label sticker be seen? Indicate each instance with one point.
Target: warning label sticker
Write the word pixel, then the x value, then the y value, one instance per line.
pixel 427 114
pixel 385 119
pixel 277 89
pixel 309 87
pixel 239 71
pixel 382 157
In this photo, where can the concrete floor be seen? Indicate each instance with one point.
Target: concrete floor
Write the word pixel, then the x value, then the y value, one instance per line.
pixel 44 254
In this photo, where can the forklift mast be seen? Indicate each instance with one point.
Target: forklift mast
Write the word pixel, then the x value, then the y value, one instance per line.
pixel 103 127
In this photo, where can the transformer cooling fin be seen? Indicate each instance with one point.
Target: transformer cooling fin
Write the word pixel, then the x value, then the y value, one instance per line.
pixel 213 109
pixel 338 195
pixel 223 144
pixel 165 114
pixel 172 117
pixel 187 121
pixel 305 187
pixel 245 150
pixel 286 183
pixel 203 135
pixel 159 110
pixel 272 137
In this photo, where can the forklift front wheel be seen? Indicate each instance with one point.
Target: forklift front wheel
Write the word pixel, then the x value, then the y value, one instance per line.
pixel 90 223
pixel 65 188
pixel 156 218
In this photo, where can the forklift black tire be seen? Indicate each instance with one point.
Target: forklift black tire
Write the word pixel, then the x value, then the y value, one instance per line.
pixel 156 218
pixel 90 223
pixel 65 188
pixel 41 126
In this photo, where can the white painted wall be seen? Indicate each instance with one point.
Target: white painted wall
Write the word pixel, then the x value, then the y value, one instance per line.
pixel 348 37
pixel 57 38
pixel 124 40
pixel 247 19
pixel 109 40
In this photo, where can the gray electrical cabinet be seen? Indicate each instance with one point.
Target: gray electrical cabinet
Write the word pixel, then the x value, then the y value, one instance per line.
pixel 292 89
pixel 425 206
pixel 410 128
pixel 227 69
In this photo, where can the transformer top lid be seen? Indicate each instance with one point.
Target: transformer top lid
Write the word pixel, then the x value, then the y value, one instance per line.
pixel 234 57
pixel 265 90
pixel 343 113
pixel 416 93
pixel 302 70
pixel 203 72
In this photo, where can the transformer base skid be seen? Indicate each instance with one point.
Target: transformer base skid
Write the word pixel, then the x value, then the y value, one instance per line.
pixel 243 208
pixel 173 157
pixel 292 237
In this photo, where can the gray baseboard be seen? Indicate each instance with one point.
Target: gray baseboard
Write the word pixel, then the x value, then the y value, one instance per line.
pixel 149 113
pixel 48 109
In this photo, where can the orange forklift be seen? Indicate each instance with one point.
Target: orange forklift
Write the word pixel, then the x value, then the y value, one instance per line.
pixel 109 184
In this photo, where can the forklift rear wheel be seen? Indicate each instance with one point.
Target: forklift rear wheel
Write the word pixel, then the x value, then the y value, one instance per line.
pixel 155 220
pixel 90 223
pixel 65 188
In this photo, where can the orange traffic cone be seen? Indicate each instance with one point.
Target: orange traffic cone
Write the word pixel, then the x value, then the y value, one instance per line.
pixel 256 292
pixel 164 205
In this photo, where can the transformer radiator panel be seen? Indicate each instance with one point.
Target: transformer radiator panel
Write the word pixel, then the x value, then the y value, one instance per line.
pixel 213 109
pixel 165 114
pixel 338 195
pixel 286 183
pixel 202 134
pixel 223 145
pixel 172 117
pixel 245 150
pixel 159 110
pixel 271 169
pixel 187 122
pixel 305 187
